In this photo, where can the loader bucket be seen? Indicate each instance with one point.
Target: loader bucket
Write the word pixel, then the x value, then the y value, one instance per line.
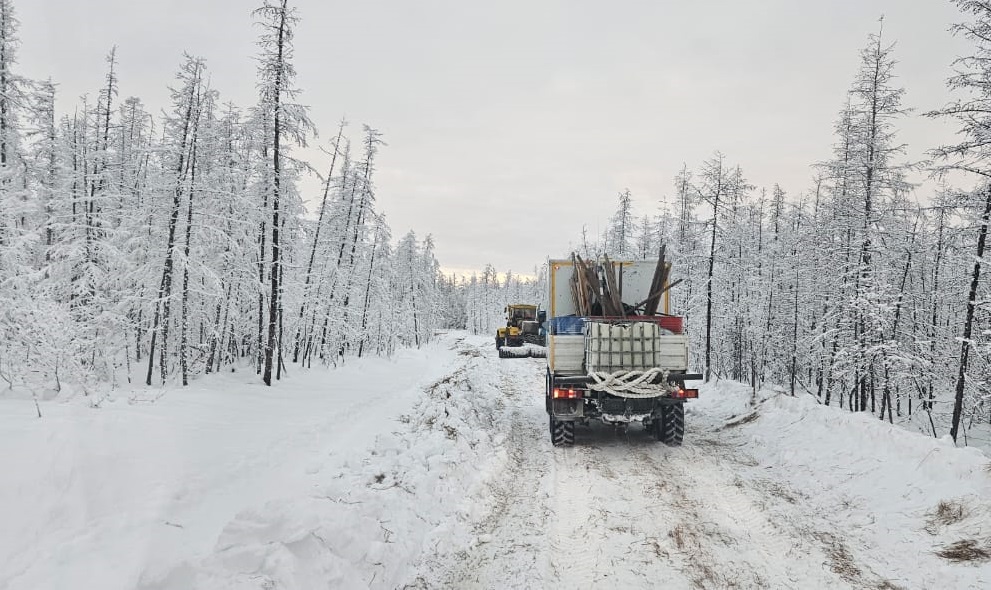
pixel 522 352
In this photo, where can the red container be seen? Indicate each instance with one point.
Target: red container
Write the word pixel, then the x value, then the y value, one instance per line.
pixel 671 322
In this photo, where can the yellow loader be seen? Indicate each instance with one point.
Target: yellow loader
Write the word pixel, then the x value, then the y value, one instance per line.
pixel 523 335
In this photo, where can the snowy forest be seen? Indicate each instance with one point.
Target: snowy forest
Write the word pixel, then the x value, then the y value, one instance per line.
pixel 157 248
pixel 150 249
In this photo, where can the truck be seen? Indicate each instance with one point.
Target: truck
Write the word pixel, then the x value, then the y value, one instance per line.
pixel 615 353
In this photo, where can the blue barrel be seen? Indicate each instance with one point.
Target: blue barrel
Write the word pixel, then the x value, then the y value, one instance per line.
pixel 567 325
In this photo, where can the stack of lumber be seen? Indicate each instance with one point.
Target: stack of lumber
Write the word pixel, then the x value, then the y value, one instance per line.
pixel 596 288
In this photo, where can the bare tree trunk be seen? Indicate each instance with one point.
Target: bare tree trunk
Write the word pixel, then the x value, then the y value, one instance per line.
pixel 280 363
pixel 316 242
pixel 184 337
pixel 794 335
pixel 5 93
pixel 933 326
pixel 262 243
pixel 161 316
pixel 969 318
pixel 708 294
pixel 275 302
pixel 368 291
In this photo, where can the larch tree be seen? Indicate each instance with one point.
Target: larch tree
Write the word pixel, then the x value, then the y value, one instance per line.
pixel 619 237
pixel 289 124
pixel 318 228
pixel 713 189
pixel 879 179
pixel 181 130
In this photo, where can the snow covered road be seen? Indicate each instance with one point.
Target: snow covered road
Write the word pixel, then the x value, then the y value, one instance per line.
pixel 435 470
pixel 767 492
pixel 621 510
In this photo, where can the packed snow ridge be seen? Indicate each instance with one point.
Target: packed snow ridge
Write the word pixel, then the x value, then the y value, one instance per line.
pixel 434 469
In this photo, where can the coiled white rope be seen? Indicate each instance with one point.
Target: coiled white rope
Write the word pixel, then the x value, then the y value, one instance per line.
pixel 631 384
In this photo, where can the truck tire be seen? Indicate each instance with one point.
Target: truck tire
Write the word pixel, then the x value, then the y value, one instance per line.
pixel 562 433
pixel 673 425
pixel 499 342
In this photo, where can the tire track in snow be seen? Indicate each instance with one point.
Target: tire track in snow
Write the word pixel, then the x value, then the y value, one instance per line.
pixel 655 516
pixel 607 530
pixel 510 538
pixel 803 545
pixel 572 559
pixel 732 531
pixel 721 536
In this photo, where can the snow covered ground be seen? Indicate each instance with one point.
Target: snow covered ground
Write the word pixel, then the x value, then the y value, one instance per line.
pixel 435 470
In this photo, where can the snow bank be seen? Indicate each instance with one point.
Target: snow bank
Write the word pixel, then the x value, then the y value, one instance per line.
pixel 369 519
pixel 890 490
pixel 229 484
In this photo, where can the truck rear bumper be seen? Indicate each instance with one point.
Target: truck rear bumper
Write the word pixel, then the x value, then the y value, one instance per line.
pixel 583 380
pixel 625 418
pixel 609 408
pixel 570 398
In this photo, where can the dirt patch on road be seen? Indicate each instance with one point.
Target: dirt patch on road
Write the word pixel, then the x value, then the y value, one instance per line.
pixel 841 561
pixel 947 512
pixel 740 420
pixel 967 551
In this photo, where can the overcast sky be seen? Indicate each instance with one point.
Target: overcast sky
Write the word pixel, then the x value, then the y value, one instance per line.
pixel 511 124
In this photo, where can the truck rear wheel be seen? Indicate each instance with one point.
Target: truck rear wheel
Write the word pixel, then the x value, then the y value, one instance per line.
pixel 656 427
pixel 672 425
pixel 562 432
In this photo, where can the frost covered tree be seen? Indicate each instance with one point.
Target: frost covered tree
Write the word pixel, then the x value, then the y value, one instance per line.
pixel 323 219
pixel 865 190
pixel 288 124
pixel 176 246
pixel 182 130
pixel 622 225
pixel 879 183
pixel 713 189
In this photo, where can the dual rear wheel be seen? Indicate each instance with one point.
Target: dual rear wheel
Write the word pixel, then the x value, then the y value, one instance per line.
pixel 670 427
pixel 562 432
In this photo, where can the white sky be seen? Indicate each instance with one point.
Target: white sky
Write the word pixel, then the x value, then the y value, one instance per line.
pixel 511 124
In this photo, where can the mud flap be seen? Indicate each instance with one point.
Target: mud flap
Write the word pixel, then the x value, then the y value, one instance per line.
pixel 567 409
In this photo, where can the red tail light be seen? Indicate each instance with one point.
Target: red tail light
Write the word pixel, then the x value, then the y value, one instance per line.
pixel 567 393
pixel 686 393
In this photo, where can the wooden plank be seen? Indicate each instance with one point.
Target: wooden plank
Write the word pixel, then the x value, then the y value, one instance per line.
pixel 615 306
pixel 657 283
pixel 581 286
pixel 655 297
pixel 593 288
